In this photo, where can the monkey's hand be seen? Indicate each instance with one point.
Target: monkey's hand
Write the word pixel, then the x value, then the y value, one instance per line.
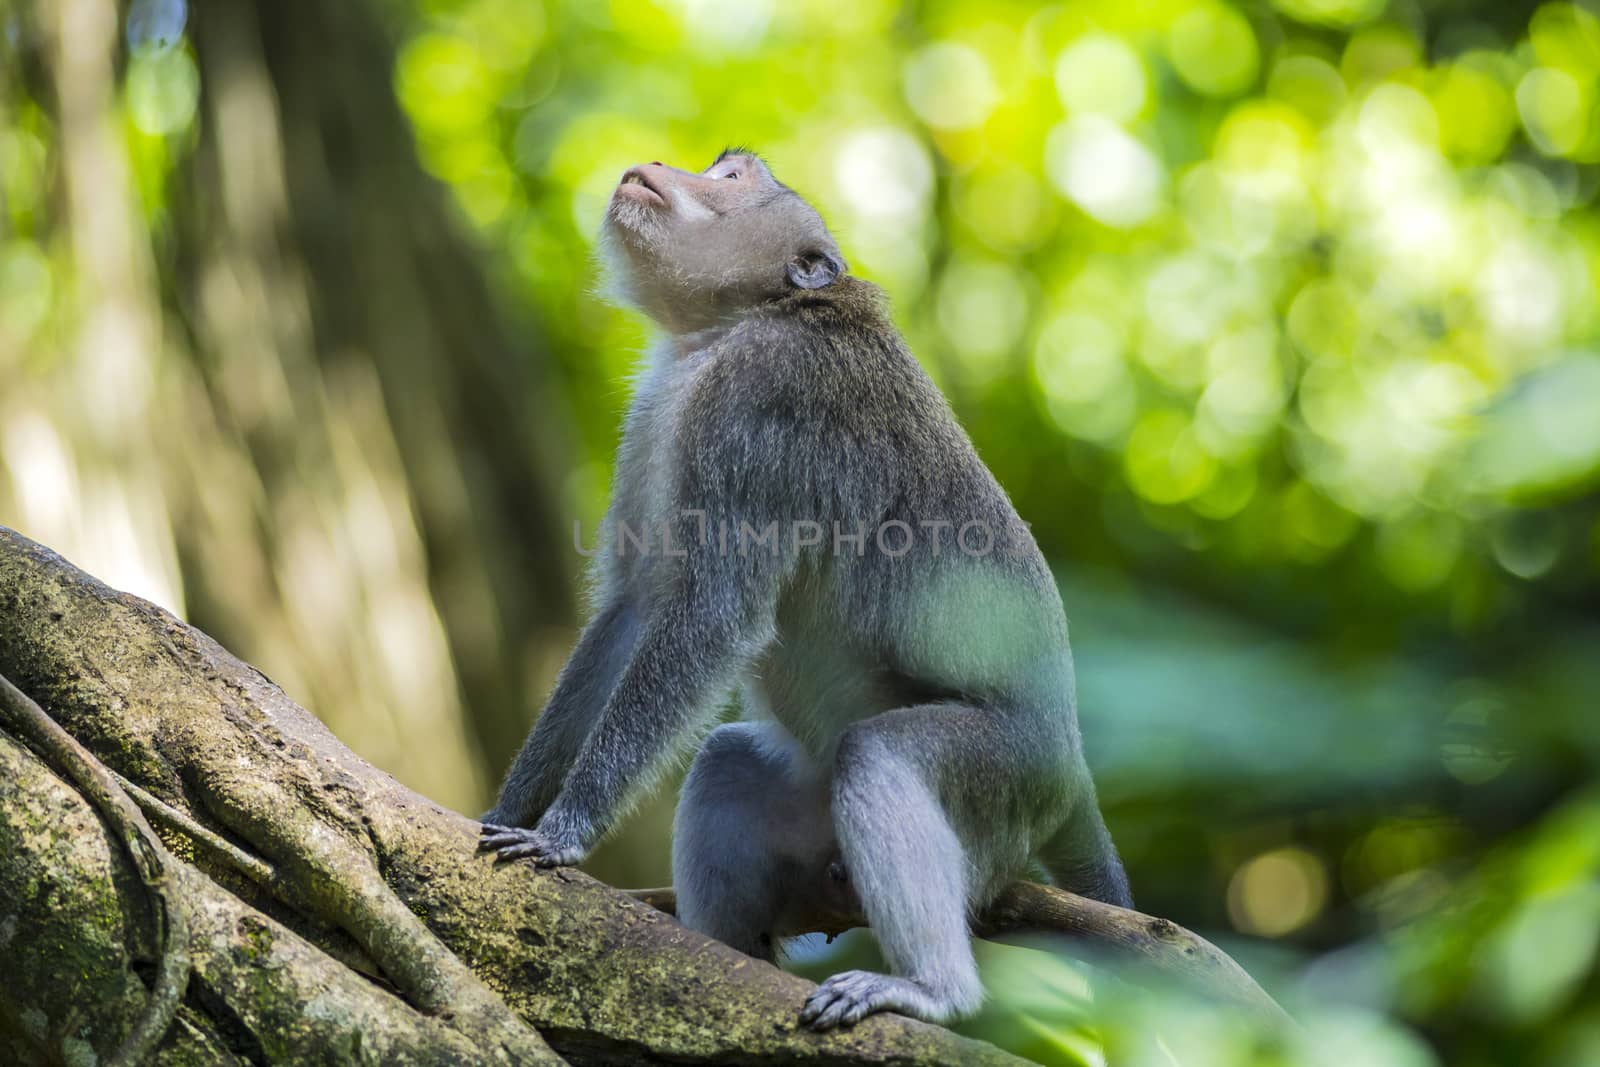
pixel 850 996
pixel 515 842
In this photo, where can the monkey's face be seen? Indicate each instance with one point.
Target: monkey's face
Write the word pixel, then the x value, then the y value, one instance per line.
pixel 692 250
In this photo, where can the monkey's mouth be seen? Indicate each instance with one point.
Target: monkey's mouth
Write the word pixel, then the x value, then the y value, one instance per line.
pixel 635 186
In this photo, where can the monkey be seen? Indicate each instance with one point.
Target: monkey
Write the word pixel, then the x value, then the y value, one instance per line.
pixel 797 514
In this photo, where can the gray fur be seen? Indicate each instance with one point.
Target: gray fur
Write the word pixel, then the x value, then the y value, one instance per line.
pixel 914 718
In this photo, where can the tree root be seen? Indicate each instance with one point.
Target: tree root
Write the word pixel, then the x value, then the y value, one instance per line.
pixel 169 919
pixel 258 992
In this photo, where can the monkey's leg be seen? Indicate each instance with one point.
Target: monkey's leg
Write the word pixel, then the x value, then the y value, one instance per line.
pixel 581 692
pixel 1081 857
pixel 933 807
pixel 752 836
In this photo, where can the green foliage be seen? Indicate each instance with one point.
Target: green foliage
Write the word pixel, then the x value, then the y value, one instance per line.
pixel 1285 295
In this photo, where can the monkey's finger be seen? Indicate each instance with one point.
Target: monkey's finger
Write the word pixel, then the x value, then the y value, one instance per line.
pixel 835 1013
pixel 561 857
pixel 504 838
pixel 494 828
pixel 817 1003
pixel 523 851
pixel 848 981
pixel 495 836
pixel 813 1006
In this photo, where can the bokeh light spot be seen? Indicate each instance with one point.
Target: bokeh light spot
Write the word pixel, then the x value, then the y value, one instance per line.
pixel 949 86
pixel 1079 364
pixel 1324 319
pixel 1099 74
pixel 1165 462
pixel 1397 119
pixel 1330 12
pixel 1277 892
pixel 1566 36
pixel 1106 171
pixel 1079 356
pixel 1476 116
pixel 1555 109
pixel 444 84
pixel 1186 301
pixel 163 90
pixel 1228 494
pixel 731 25
pixel 1418 553
pixel 1309 85
pixel 1527 544
pixel 982 310
pixel 1473 745
pixel 883 174
pixel 1214 50
pixel 1007 207
pixel 1378 53
pixel 1310 526
pixel 1246 394
pixel 1266 143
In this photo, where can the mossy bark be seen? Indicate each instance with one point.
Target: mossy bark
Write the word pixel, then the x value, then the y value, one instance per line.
pixel 382 936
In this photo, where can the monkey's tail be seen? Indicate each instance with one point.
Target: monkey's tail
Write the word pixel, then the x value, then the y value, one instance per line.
pixel 1082 858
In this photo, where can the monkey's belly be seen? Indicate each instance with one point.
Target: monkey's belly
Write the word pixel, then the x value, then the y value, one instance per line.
pixel 815 691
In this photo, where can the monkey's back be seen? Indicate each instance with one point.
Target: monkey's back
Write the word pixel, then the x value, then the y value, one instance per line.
pixel 926 585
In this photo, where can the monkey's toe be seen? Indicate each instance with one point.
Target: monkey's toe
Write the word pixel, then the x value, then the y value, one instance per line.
pixel 850 996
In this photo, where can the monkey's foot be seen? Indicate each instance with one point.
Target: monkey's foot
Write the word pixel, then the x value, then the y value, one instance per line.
pixel 516 842
pixel 850 996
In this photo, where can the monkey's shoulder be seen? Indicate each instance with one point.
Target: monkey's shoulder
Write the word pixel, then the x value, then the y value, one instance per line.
pixel 829 358
pixel 850 314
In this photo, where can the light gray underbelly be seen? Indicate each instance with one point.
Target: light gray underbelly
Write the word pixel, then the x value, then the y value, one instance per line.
pixel 814 689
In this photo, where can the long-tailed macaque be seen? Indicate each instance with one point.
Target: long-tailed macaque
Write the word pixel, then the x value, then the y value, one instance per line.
pixel 797 512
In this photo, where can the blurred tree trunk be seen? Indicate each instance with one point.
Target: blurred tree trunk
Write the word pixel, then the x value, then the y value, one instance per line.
pixel 334 916
pixel 347 325
pixel 277 393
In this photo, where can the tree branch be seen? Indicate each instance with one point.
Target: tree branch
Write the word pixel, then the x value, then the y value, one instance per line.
pixel 1026 907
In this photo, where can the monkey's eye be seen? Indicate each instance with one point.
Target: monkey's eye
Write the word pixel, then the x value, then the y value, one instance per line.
pixel 731 175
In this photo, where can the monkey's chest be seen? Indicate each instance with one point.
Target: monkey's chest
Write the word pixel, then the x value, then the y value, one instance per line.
pixel 646 499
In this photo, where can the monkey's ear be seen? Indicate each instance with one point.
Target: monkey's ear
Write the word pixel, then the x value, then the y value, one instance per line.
pixel 813 270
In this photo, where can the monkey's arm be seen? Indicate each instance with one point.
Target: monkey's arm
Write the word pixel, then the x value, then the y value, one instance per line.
pixel 587 680
pixel 710 607
pixel 701 631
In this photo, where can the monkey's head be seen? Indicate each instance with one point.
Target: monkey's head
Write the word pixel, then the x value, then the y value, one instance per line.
pixel 694 250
